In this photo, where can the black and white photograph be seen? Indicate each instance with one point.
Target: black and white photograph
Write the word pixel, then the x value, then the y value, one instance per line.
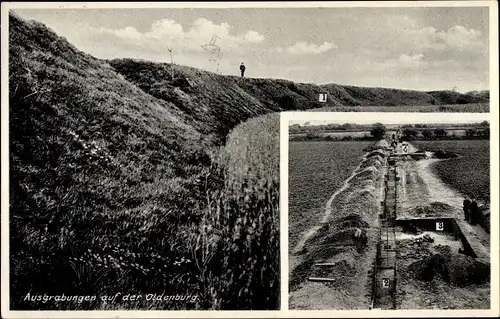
pixel 138 176
pixel 145 165
pixel 393 214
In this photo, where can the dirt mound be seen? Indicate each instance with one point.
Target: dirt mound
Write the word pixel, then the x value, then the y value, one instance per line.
pixel 432 209
pixel 340 272
pixel 376 152
pixel 376 146
pixel 347 237
pixel 382 143
pixel 350 221
pixel 366 173
pixel 339 231
pixel 454 268
pixel 373 161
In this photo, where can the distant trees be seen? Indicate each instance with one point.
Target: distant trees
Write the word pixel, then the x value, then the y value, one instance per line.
pixel 470 132
pixel 310 136
pixel 420 125
pixel 427 134
pixel 410 133
pixel 440 132
pixel 479 133
pixel 378 131
pixel 484 133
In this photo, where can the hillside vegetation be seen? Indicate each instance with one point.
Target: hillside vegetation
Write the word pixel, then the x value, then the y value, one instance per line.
pixel 217 103
pixel 122 180
pixel 114 190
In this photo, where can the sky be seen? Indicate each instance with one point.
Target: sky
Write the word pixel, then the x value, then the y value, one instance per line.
pixel 410 48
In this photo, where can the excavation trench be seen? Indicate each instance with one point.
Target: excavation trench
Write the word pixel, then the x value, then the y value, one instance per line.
pixel 388 241
pixel 427 256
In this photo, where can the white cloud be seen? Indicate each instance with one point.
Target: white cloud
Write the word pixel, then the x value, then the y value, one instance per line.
pixel 165 29
pixel 456 37
pixel 302 47
pixel 125 33
pixel 460 38
pixel 253 37
pixel 168 33
pixel 410 59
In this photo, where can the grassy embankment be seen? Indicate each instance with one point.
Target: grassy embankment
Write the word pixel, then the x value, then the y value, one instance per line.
pixel 114 190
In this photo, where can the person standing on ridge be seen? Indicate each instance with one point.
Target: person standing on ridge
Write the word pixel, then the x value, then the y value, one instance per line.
pixel 242 69
pixel 467 209
pixel 474 212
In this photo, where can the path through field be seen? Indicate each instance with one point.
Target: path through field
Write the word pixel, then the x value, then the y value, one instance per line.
pixel 438 191
pixel 328 211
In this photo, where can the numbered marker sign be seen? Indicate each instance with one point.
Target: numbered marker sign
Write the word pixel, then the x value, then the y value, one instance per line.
pixel 439 226
pixel 322 97
pixel 386 282
pixel 405 148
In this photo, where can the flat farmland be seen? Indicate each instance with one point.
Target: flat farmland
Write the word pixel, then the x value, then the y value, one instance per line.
pixel 316 171
pixel 338 134
pixel 470 172
pixel 462 108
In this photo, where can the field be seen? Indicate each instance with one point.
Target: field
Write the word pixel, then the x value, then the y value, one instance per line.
pixel 316 171
pixel 470 172
pixel 467 108
pixel 354 134
pixel 337 134
pixel 244 219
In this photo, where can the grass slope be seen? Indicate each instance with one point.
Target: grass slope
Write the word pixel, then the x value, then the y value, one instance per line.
pixel 217 103
pixel 114 190
pixel 99 170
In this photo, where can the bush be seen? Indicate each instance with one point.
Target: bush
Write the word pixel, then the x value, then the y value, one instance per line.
pixel 378 131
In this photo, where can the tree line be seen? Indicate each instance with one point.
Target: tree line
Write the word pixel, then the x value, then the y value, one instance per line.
pixel 409 133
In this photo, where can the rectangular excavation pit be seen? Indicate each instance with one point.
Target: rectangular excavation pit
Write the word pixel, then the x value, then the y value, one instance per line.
pixel 424 266
pixel 439 224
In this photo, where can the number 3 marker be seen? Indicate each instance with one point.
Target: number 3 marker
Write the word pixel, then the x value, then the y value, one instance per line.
pixel 439 226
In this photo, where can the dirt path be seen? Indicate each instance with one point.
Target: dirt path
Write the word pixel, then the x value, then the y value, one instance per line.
pixel 328 211
pixel 422 188
pixel 437 191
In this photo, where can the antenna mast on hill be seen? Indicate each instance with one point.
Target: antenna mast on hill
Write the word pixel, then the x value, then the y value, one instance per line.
pixel 171 64
pixel 214 50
